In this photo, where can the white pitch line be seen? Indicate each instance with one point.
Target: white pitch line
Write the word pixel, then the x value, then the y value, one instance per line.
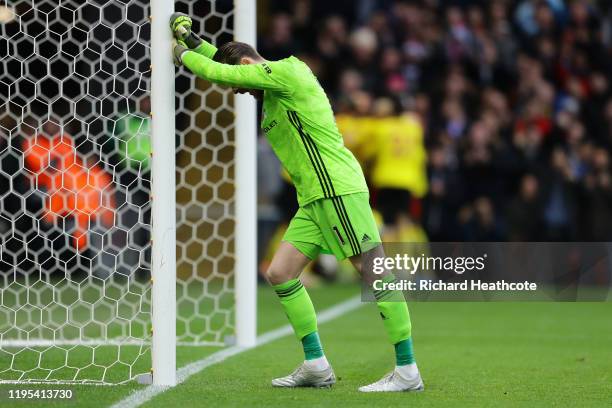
pixel 137 398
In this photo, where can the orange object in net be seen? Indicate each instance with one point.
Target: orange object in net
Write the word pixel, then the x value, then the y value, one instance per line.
pixel 71 188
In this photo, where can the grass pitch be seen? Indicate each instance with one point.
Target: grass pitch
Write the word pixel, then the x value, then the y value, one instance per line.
pixel 470 354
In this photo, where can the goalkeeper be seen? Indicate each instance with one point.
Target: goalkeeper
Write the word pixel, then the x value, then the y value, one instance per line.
pixel 334 214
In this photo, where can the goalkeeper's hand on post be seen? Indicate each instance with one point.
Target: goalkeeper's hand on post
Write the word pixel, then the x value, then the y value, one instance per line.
pixel 180 24
pixel 178 49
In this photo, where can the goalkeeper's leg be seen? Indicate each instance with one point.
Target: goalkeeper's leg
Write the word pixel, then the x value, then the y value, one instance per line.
pixel 396 320
pixel 350 231
pixel 283 275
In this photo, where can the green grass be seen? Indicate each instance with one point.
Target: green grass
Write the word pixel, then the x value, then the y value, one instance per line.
pixel 470 354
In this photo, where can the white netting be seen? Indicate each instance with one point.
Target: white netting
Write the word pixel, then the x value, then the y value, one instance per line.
pixel 205 194
pixel 74 185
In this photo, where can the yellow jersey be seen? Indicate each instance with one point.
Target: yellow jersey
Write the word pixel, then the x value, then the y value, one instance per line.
pixel 398 153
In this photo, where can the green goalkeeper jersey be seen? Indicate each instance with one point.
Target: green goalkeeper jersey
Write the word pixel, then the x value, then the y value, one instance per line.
pixel 297 120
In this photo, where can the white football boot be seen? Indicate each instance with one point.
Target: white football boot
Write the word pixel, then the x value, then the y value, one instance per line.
pixel 306 376
pixel 395 382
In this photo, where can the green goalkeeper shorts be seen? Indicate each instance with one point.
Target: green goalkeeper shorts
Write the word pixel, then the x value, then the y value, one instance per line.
pixel 343 226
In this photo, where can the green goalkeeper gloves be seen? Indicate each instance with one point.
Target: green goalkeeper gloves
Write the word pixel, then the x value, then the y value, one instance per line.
pixel 180 24
pixel 178 49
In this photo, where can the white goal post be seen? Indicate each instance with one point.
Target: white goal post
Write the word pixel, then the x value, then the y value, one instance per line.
pixel 246 190
pixel 111 257
pixel 163 186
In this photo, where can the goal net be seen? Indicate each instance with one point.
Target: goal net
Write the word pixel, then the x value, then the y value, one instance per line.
pixel 75 185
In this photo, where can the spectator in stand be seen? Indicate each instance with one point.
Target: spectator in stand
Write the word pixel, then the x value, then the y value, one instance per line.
pixel 479 222
pixel 279 42
pixel 559 198
pixel 597 199
pixel 524 213
pixel 445 196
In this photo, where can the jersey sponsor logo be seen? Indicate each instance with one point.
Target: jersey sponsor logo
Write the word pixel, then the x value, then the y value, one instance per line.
pixel 269 127
pixel 365 238
pixel 267 68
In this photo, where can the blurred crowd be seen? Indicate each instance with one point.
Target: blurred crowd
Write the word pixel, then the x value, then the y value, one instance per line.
pixel 473 120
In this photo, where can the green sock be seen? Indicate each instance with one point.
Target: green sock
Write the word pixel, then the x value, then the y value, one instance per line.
pixel 312 346
pixel 404 354
pixel 396 319
pixel 300 311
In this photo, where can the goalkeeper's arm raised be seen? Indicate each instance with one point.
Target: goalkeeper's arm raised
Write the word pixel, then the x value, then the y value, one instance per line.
pixel 197 55
pixel 262 74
